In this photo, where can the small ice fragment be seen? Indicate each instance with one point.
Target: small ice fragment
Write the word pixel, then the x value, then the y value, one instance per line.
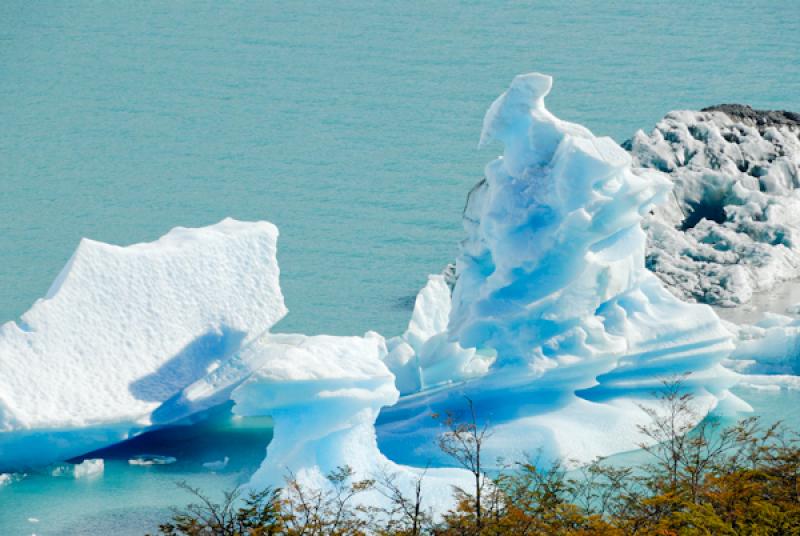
pixel 152 459
pixel 33 520
pixel 5 478
pixel 61 470
pixel 217 465
pixel 89 468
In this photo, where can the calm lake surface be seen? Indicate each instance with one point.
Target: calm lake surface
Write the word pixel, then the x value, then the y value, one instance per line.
pixel 350 125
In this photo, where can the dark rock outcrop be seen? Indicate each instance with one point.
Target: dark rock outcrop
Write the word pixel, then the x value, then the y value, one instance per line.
pixel 760 119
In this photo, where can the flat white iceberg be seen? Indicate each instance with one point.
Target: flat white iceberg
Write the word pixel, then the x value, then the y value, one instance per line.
pixel 551 283
pixel 122 330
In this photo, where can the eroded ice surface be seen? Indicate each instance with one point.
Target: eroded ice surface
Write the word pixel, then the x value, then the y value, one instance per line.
pixel 124 329
pixel 324 394
pixel 729 229
pixel 552 283
pixel 424 357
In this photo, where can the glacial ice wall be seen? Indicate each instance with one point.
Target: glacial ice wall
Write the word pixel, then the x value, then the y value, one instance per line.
pixel 124 329
pixel 551 281
pixel 730 228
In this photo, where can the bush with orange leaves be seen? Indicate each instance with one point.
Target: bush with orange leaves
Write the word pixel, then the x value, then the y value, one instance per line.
pixel 702 478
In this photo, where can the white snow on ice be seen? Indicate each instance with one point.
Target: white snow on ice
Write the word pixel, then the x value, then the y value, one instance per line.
pixel 124 329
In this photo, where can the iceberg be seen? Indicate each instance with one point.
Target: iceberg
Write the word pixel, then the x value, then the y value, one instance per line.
pixel 729 229
pixel 123 330
pixel 552 284
pixel 551 326
pixel 324 394
pixel 151 334
pixel 88 468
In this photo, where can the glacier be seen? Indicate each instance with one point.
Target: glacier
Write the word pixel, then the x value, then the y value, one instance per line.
pixel 729 229
pixel 123 330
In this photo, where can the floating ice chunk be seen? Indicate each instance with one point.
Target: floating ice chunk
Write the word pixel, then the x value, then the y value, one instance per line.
pixel 551 282
pixel 217 465
pixel 88 468
pixel 324 394
pixel 5 478
pixel 152 459
pixel 60 470
pixel 124 329
pixel 771 347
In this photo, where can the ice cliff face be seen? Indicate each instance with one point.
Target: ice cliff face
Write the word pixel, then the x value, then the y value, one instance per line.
pixel 731 226
pixel 124 329
pixel 552 283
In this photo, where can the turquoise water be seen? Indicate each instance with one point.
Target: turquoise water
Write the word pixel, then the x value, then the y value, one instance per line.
pixel 352 126
pixel 130 499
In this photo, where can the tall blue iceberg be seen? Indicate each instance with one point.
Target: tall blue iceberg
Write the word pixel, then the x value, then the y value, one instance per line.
pixel 552 290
